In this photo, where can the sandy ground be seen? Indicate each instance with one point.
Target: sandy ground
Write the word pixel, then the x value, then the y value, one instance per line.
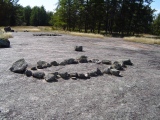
pixel 134 96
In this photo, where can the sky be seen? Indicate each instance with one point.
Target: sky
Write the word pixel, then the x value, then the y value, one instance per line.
pixel 50 5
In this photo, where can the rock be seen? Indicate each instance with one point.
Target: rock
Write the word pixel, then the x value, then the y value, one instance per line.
pixel 117 65
pixel 64 75
pixel 87 75
pixel 70 61
pixel 73 75
pixel 107 62
pixel 115 72
pixel 83 59
pixel 82 76
pixel 74 78
pixel 107 71
pixel 63 63
pixel 93 73
pixel 33 68
pixel 28 73
pixel 127 62
pixel 7 29
pixel 19 66
pixel 99 72
pixel 42 64
pixel 54 63
pixel 79 48
pixel 39 75
pixel 4 43
pixel 50 78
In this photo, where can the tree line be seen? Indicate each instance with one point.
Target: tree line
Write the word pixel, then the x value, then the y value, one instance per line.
pixel 12 14
pixel 125 17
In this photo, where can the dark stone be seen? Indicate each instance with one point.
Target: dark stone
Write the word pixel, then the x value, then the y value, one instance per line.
pixel 42 64
pixel 28 73
pixel 19 66
pixel 33 68
pixel 79 48
pixel 12 31
pixel 107 62
pixel 127 62
pixel 82 76
pixel 54 63
pixel 4 43
pixel 62 63
pixel 99 72
pixel 7 29
pixel 117 65
pixel 64 75
pixel 83 59
pixel 70 61
pixel 93 74
pixel 51 78
pixel 115 72
pixel 39 75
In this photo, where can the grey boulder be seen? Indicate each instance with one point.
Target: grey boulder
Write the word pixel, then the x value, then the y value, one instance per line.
pixel 4 43
pixel 19 66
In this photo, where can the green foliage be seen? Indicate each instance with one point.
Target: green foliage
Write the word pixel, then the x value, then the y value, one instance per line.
pixel 120 16
pixel 156 25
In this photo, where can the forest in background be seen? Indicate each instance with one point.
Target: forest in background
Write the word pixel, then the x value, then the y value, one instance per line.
pixel 125 17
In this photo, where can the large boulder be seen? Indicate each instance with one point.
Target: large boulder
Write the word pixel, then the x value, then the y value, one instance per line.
pixel 4 43
pixel 19 66
pixel 38 74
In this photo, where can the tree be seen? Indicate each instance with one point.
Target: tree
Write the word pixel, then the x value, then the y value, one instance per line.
pixel 26 14
pixel 156 25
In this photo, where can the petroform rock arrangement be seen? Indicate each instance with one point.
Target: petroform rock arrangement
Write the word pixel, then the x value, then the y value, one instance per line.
pixel 20 66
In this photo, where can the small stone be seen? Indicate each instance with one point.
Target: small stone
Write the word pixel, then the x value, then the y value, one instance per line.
pixel 28 73
pixel 127 62
pixel 54 63
pixel 95 61
pixel 107 62
pixel 73 75
pixel 33 68
pixel 99 72
pixel 93 74
pixel 117 65
pixel 83 59
pixel 64 75
pixel 107 71
pixel 79 48
pixel 50 78
pixel 39 75
pixel 115 72
pixel 42 64
pixel 82 76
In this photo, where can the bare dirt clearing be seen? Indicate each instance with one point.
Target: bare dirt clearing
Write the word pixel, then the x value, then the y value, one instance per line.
pixel 134 96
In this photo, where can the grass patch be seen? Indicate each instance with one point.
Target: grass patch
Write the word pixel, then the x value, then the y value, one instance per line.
pixel 143 40
pixel 92 35
pixel 5 35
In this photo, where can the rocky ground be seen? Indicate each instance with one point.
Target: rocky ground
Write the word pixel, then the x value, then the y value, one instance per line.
pixel 133 96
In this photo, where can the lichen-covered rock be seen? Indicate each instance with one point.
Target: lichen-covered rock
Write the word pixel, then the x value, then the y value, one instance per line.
pixel 107 62
pixel 51 78
pixel 19 66
pixel 79 48
pixel 39 75
pixel 4 43
pixel 115 72
pixel 28 73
